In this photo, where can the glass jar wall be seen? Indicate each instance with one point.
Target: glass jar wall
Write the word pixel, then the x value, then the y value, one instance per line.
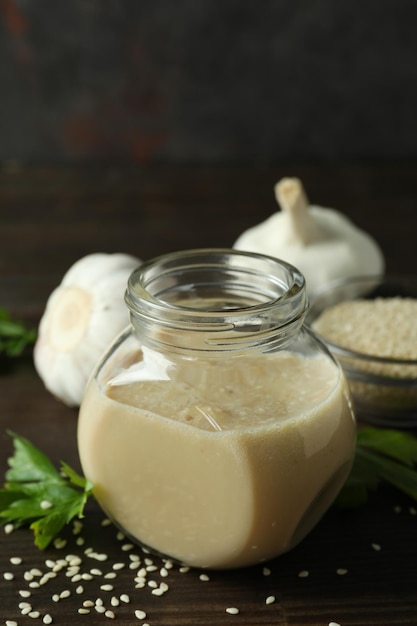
pixel 217 429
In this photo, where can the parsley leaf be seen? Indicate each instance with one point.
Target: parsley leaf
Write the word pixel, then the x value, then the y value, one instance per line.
pixel 382 456
pixel 38 494
pixel 14 335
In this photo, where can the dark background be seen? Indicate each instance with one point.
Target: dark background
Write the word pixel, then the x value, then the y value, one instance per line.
pixel 207 81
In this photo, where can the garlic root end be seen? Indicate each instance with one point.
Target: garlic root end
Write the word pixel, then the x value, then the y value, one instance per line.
pixel 291 196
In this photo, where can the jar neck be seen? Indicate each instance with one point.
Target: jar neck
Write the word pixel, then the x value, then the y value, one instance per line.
pixel 215 300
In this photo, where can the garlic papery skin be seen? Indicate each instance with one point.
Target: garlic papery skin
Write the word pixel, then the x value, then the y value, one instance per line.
pixel 82 316
pixel 321 242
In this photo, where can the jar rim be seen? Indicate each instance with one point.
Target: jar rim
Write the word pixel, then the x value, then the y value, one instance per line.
pixel 284 282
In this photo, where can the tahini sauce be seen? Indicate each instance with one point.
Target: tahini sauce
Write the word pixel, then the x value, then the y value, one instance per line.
pixel 221 466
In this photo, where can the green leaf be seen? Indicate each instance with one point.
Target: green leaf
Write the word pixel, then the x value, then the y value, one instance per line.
pixel 29 463
pixel 393 443
pixel 37 494
pixel 14 335
pixel 74 477
pixel 382 456
pixel 48 527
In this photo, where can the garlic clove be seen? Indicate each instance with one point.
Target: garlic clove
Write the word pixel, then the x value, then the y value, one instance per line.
pixel 82 316
pixel 321 242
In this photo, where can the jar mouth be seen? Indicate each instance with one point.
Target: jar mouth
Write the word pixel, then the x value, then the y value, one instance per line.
pixel 218 290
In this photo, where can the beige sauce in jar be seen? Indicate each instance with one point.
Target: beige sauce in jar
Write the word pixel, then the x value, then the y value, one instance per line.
pixel 224 465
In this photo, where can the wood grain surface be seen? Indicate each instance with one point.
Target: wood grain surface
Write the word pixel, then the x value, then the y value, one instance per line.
pixel 356 568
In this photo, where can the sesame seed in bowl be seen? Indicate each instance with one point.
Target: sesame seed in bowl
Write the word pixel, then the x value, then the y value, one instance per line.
pixel 369 323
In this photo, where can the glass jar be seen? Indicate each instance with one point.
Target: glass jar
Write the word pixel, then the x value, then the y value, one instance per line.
pixel 217 429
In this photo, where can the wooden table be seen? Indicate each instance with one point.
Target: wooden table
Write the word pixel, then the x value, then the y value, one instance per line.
pixel 355 568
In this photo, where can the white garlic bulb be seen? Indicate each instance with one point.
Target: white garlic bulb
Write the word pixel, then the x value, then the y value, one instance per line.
pixel 82 316
pixel 322 243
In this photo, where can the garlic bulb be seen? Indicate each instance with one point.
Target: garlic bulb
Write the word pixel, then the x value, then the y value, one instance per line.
pixel 82 315
pixel 322 243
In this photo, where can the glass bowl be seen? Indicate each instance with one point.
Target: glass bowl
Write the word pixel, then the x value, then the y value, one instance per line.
pixel 375 344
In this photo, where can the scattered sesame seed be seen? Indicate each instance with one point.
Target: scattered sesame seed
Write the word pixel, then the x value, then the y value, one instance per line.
pixel 341 571
pixel 77 527
pixel 65 594
pixel 46 577
pixel 35 571
pixel 270 600
pixel 125 598
pixel 204 577
pixel 47 619
pixel 120 536
pixel 334 624
pixel 184 569
pixel 34 614
pixel 100 608
pixel 114 601
pixel 25 605
pixel 163 572
pixel 110 575
pixel 72 571
pixel 153 584
pixel 88 603
pixel 8 576
pixel 232 610
pixel 25 593
pixel 157 591
pixel 140 614
pixel 397 509
pixel 57 567
pixel 10 622
pixel 151 568
pixel 8 528
pixel 28 576
pixel 55 597
pixel 266 571
pixel 99 602
pixel 109 614
pixel 46 504
pixel 303 574
pixel 79 590
pixel 127 546
pixel 106 587
pixel 80 541
pixel 15 560
pixel 59 544
pixel 82 611
pixel 34 584
pixel 376 547
pixel 106 522
pixel 76 578
pixel 96 572
pixel 413 510
pixel 117 566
